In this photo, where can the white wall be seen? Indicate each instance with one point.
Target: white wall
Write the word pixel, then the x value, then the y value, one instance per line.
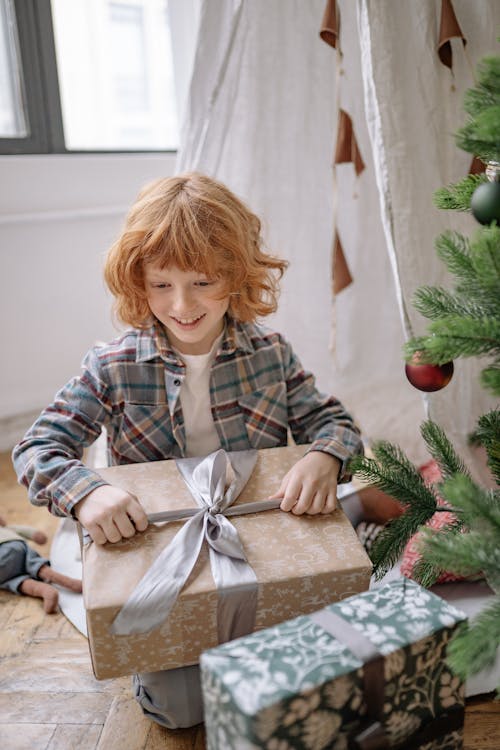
pixel 58 216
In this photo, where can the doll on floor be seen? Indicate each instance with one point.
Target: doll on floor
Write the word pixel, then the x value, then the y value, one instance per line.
pixel 23 570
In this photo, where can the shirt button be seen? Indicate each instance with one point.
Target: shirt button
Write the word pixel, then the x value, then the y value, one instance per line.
pixel 177 381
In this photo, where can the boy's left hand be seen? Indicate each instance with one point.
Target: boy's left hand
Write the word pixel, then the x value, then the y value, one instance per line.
pixel 311 485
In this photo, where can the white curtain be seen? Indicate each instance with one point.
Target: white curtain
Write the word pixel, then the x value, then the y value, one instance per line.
pixel 414 104
pixel 261 116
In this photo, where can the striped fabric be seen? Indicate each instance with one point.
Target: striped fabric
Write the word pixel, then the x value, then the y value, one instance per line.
pixel 258 391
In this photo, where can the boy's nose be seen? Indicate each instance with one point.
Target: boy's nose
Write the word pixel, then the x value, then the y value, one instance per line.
pixel 183 300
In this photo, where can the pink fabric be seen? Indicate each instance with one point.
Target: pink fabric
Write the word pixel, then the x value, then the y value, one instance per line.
pixel 431 474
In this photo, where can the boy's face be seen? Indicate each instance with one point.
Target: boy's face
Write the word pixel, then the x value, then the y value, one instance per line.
pixel 184 302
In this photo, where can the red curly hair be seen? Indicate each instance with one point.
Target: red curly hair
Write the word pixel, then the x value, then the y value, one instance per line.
pixel 195 223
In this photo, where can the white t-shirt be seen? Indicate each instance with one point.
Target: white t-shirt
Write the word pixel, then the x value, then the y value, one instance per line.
pixel 201 435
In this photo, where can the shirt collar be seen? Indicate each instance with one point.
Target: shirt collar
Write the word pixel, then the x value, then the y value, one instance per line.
pixel 153 342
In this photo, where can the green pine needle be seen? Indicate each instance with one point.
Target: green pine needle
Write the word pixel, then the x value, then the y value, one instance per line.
pixel 487 434
pixel 457 197
pixel 474 646
pixel 454 250
pixel 442 450
pixel 464 553
pixel 478 507
pixel 453 336
pixel 435 302
pixel 490 379
pixel 390 543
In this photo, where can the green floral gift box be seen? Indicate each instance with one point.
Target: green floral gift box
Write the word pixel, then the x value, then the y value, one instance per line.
pixel 367 673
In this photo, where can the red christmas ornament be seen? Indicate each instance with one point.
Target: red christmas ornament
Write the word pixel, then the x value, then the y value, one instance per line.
pixel 428 377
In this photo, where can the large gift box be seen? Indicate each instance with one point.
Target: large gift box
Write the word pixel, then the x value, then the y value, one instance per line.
pixel 299 564
pixel 369 673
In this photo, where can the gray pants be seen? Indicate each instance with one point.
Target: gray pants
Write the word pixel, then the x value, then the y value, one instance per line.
pixel 18 562
pixel 171 697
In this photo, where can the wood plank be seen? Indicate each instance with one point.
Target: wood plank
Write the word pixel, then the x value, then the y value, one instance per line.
pixel 175 739
pixel 21 624
pixel 125 726
pixel 23 707
pixel 48 666
pixel 482 725
pixel 26 736
pixel 77 736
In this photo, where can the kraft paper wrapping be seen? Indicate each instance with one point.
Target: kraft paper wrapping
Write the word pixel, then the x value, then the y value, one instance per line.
pixel 302 564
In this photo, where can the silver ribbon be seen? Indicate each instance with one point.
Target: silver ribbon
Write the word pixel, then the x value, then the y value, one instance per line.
pixel 215 482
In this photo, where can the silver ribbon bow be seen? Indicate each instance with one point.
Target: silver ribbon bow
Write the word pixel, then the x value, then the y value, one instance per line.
pixel 154 596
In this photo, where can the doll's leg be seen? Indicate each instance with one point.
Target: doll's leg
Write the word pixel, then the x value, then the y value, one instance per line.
pixel 42 590
pixel 15 570
pixel 46 573
pixel 171 697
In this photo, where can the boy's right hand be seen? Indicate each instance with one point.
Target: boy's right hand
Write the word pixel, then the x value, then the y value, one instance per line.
pixel 110 514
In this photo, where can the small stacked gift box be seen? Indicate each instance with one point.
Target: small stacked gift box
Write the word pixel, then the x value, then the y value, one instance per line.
pixel 367 673
pixel 300 564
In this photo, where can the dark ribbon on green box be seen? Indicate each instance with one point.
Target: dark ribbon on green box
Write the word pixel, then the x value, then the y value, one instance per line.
pixel 373 736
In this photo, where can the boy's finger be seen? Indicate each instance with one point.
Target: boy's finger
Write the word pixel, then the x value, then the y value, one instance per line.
pixel 125 526
pixel 111 532
pixel 137 515
pixel 96 534
pixel 317 504
pixel 331 503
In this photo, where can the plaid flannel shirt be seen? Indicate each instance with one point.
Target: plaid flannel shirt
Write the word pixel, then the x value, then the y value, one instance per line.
pixel 258 390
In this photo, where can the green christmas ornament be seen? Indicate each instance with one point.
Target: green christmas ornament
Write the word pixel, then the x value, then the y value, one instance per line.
pixel 485 203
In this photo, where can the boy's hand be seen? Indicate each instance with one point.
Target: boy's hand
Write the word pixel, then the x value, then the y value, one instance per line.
pixel 110 514
pixel 311 485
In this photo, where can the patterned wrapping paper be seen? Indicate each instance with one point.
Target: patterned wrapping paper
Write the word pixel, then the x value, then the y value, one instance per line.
pixel 296 686
pixel 301 563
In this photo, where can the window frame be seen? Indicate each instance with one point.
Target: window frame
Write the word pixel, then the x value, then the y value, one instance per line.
pixel 41 92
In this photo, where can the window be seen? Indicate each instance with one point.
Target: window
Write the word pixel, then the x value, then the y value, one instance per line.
pixel 86 76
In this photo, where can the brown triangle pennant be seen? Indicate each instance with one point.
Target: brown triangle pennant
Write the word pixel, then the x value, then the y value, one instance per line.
pixel 341 275
pixel 449 29
pixel 346 149
pixel 330 25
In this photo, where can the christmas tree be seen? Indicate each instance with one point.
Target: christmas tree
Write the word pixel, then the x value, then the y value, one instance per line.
pixel 465 322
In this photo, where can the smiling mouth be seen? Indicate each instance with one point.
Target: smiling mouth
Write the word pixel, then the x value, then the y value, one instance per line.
pixel 188 322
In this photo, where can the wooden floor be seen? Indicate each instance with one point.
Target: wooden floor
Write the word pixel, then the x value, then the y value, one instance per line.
pixel 49 699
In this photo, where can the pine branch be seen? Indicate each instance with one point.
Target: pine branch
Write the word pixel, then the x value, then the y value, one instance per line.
pixel 390 543
pixel 481 136
pixel 425 573
pixel 457 197
pixel 454 250
pixel 474 647
pixel 490 379
pixel 442 450
pixel 393 473
pixel 486 93
pixel 434 302
pixel 487 434
pixel 485 253
pixel 466 553
pixel 479 508
pixel 453 336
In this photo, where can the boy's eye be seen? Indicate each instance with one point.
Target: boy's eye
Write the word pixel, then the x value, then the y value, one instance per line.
pixel 204 282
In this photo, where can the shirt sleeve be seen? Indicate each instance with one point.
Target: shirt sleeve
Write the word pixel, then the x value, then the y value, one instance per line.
pixel 48 460
pixel 318 419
